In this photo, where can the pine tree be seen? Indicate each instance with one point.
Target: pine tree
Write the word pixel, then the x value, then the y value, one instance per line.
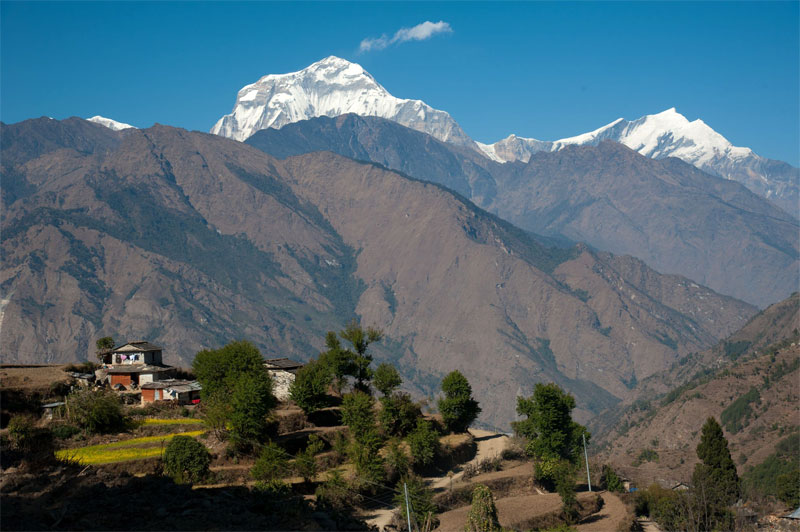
pixel 717 466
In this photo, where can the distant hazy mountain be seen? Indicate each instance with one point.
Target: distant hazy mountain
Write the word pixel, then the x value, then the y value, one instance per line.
pixel 334 86
pixel 109 123
pixel 670 134
pixel 666 212
pixel 329 87
pixel 191 240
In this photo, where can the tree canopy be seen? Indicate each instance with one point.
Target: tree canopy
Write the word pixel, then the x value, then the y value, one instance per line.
pixel 457 407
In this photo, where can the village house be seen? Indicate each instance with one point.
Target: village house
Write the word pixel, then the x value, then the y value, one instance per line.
pixel 182 391
pixel 133 364
pixel 283 372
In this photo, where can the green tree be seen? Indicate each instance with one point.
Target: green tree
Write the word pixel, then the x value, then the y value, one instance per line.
pixel 364 452
pixel 360 339
pixel 186 460
pixel 358 414
pixel 218 370
pixel 610 480
pixel 305 463
pixel 482 515
pixel 424 444
pixel 271 464
pixel 787 487
pixel 338 360
pixel 386 379
pixel 457 407
pixel 95 411
pixel 421 498
pixel 398 415
pixel 310 387
pixel 237 385
pixel 250 402
pixel 552 435
pixel 717 470
pixel 103 344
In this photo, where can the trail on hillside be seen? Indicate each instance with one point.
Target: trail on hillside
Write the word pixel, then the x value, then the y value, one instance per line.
pixel 490 444
pixel 608 518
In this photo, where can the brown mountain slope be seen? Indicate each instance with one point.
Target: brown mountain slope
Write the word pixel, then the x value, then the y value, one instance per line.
pixel 756 402
pixel 191 240
pixel 668 213
pixel 750 382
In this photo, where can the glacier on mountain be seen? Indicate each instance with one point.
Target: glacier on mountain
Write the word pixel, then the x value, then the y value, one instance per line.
pixel 109 123
pixel 330 87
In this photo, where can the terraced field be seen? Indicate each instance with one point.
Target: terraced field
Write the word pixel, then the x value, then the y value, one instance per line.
pixel 122 451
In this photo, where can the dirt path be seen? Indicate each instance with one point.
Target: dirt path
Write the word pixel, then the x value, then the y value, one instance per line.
pixel 608 518
pixel 648 525
pixel 490 444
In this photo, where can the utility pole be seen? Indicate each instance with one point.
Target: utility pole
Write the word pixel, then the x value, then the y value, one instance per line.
pixel 408 506
pixel 586 457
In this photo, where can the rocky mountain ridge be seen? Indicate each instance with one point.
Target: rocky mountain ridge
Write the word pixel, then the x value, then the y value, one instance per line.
pixel 192 240
pixel 666 212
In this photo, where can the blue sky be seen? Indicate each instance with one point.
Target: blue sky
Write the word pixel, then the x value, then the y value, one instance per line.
pixel 543 70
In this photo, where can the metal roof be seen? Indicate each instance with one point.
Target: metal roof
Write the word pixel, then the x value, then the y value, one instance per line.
pixel 173 384
pixel 137 368
pixel 282 363
pixel 136 346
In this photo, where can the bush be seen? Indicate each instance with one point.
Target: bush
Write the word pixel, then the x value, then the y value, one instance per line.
pixel 305 463
pixel 610 480
pixel 310 387
pixel 482 515
pixel 421 498
pixel 250 403
pixel 397 462
pixel 335 494
pixel 64 432
pixel 398 415
pixel 357 414
pixel 21 431
pixel 386 379
pixel 424 443
pixel 457 407
pixel 186 460
pixel 364 452
pixel 96 411
pixel 271 465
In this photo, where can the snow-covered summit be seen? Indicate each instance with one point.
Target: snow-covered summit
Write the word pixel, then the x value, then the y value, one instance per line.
pixel 109 123
pixel 670 134
pixel 330 87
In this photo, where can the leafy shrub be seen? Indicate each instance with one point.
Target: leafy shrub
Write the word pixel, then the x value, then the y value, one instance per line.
pixel 96 411
pixel 310 387
pixel 335 494
pixel 738 413
pixel 386 379
pixel 398 415
pixel 424 443
pixel 305 463
pixel 647 455
pixel 364 452
pixel 64 432
pixel 21 430
pixel 457 407
pixel 610 480
pixel 250 403
pixel 397 462
pixel 186 460
pixel 421 498
pixel 357 414
pixel 271 465
pixel 482 515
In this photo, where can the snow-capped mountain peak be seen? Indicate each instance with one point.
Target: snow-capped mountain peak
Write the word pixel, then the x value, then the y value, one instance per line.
pixel 109 123
pixel 330 87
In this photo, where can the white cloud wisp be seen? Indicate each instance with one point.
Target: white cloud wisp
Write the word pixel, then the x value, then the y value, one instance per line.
pixel 420 32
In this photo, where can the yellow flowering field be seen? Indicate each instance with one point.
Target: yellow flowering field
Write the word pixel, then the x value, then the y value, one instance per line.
pixel 177 421
pixel 121 451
